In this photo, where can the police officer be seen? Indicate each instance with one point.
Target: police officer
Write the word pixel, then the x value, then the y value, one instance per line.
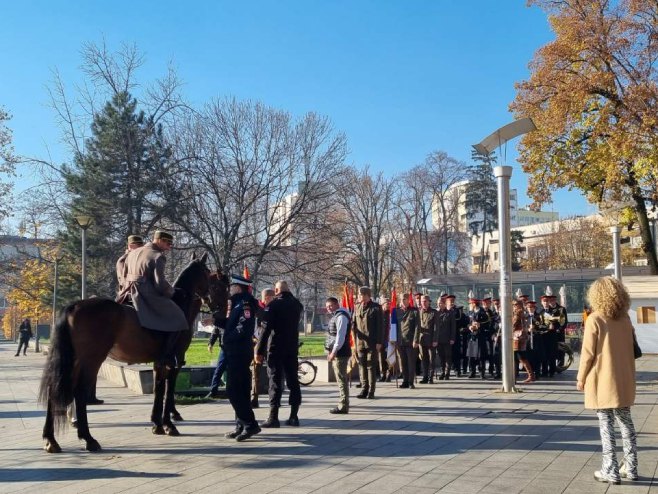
pixel 280 338
pixel 239 352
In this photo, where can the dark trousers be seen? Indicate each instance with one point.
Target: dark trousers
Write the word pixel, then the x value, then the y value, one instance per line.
pixel 408 356
pixel 367 370
pixel 220 368
pixel 23 343
pixel 382 362
pixel 477 365
pixel 278 367
pixel 551 351
pixel 457 357
pixel 428 354
pixel 444 354
pixel 238 384
pixel 255 381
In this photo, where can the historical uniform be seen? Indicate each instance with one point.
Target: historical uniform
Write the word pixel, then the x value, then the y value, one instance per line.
pixel 536 348
pixel 489 331
pixel 408 326
pixel 560 322
pixel 368 330
pixel 239 351
pixel 445 337
pixel 134 242
pixel 477 349
pixel 426 338
pixel 463 335
pixel 496 343
pixel 152 294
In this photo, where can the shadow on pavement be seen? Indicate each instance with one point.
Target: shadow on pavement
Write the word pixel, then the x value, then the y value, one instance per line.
pixel 43 474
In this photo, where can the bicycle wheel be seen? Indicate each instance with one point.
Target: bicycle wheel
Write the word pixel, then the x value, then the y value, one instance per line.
pixel 306 372
pixel 568 357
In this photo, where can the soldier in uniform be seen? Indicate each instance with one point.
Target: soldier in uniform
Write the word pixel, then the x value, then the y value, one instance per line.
pixel 497 356
pixel 446 336
pixel 457 346
pixel 550 337
pixel 489 331
pixel 152 294
pixel 408 324
pixel 536 331
pixel 384 371
pixel 478 345
pixel 559 314
pixel 134 242
pixel 239 351
pixel 426 339
pixel 368 332
pixel 280 338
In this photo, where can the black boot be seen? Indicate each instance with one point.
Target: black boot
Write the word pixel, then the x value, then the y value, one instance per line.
pixel 293 419
pixel 272 421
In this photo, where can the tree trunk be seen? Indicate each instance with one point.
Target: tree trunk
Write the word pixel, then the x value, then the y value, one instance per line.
pixel 648 245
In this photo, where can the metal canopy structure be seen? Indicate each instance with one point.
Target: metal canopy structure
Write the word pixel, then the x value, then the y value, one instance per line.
pixel 504 134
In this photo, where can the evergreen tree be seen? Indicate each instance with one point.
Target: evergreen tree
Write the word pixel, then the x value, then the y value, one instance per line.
pixel 481 199
pixel 118 181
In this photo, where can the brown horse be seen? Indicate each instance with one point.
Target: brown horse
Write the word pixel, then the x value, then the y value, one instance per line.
pixel 90 330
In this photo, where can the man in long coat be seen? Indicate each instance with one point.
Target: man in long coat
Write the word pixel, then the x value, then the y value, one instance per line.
pixel 152 294
pixel 368 332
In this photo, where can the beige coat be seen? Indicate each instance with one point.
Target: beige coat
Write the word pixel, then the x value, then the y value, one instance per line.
pixel 607 363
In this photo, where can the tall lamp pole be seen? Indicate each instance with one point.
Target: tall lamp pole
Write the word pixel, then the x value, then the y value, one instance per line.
pixel 503 175
pixel 84 222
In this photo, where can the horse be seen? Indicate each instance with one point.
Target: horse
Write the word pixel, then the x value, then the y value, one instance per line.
pixel 89 330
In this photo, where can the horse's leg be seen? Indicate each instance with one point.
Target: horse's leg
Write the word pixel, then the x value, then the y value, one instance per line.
pixel 49 431
pixel 169 402
pixel 80 395
pixel 159 374
pixel 174 413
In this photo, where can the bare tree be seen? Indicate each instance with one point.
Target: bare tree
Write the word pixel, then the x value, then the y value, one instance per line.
pixel 257 181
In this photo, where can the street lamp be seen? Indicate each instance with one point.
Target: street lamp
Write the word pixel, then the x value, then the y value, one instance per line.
pixel 84 221
pixel 503 175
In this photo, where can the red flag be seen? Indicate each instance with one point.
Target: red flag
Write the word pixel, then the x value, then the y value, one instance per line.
pixel 394 300
pixel 245 272
pixel 345 299
pixel 411 298
pixel 351 300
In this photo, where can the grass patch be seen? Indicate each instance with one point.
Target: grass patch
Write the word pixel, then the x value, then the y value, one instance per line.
pixel 192 400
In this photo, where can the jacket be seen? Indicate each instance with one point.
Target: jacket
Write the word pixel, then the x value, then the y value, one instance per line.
pixel 408 326
pixel 239 331
pixel 446 327
pixel 151 292
pixel 607 362
pixel 280 326
pixel 427 330
pixel 368 326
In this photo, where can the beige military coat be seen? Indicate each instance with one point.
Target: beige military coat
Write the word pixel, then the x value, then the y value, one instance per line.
pixel 150 291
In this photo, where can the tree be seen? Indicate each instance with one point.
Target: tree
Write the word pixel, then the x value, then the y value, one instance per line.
pixel 593 96
pixel 481 200
pixel 516 240
pixel 256 182
pixel 7 164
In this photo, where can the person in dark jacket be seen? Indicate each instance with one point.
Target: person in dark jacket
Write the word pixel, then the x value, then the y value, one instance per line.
pixel 426 339
pixel 239 352
pixel 280 338
pixel 337 344
pixel 24 335
pixel 368 331
pixel 446 335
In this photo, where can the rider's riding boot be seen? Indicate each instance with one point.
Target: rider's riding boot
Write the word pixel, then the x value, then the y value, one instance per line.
pixel 272 421
pixel 169 353
pixel 293 420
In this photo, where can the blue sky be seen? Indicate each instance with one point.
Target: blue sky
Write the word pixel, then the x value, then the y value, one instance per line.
pixel 400 78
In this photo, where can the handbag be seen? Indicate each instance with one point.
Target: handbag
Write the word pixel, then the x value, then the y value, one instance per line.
pixel 637 351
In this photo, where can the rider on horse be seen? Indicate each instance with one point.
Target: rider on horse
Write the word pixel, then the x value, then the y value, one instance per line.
pixel 134 242
pixel 152 294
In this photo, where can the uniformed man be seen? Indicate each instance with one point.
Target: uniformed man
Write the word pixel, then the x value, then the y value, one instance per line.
pixel 337 345
pixel 496 337
pixel 426 338
pixel 461 324
pixel 152 294
pixel 478 345
pixel 134 242
pixel 280 339
pixel 368 333
pixel 560 321
pixel 446 336
pixel 266 296
pixel 536 331
pixel 382 362
pixel 489 331
pixel 408 324
pixel 239 351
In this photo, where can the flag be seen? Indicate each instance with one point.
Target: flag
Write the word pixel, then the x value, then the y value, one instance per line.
pixel 345 299
pixel 247 276
pixel 411 298
pixel 351 300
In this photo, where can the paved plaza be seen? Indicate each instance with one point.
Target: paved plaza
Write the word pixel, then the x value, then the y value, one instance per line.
pixel 459 436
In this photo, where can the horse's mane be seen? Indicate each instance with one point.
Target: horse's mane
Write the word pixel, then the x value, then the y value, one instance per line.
pixel 189 273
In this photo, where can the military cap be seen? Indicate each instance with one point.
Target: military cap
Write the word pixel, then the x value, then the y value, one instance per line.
pixel 159 234
pixel 545 297
pixel 135 239
pixel 531 302
pixel 496 300
pixel 451 296
pixel 236 279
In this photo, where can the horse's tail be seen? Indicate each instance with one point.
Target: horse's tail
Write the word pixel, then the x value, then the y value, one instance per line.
pixel 56 388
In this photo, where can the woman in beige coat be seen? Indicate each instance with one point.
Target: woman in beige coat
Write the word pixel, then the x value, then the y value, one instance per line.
pixel 607 375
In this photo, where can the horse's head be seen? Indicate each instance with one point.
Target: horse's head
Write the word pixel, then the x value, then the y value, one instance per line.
pixel 217 300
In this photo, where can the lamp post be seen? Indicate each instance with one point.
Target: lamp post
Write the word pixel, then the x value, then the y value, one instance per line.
pixel 84 222
pixel 616 250
pixel 503 175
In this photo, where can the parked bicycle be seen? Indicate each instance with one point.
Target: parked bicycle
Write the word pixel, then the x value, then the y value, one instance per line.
pixel 306 370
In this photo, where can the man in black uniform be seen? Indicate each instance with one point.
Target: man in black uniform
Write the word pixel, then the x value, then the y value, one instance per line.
pixel 280 338
pixel 239 351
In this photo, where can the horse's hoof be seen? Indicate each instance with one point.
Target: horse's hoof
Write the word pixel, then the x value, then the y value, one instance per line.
pixel 172 431
pixel 93 446
pixel 158 430
pixel 52 447
pixel 177 417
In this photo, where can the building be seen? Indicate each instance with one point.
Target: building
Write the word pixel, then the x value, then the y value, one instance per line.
pixel 525 217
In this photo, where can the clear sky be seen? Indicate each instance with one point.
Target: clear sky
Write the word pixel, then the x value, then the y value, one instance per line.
pixel 400 78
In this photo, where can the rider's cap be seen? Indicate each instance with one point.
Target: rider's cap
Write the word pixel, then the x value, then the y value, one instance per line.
pixel 135 239
pixel 236 279
pixel 474 300
pixel 163 235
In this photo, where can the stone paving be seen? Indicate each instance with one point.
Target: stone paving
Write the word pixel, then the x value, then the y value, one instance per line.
pixel 459 436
